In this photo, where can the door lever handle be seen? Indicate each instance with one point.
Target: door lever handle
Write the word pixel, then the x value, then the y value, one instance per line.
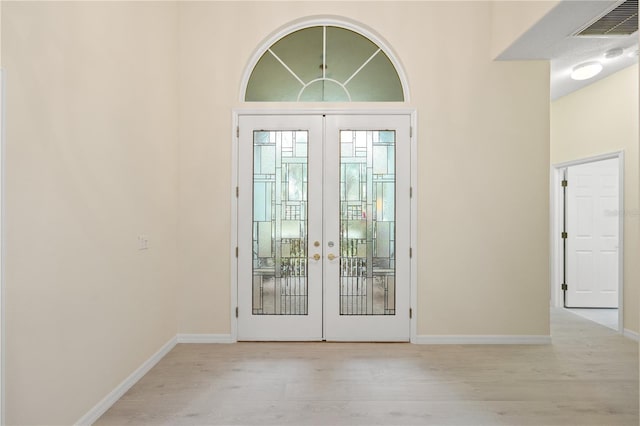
pixel 331 256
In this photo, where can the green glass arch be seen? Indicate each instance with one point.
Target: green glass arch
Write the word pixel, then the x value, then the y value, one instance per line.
pixel 324 63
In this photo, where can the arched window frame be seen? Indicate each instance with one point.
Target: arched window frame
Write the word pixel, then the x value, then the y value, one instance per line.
pixel 323 21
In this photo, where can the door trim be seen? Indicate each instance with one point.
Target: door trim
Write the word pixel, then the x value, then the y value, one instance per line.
pixel 237 112
pixel 556 217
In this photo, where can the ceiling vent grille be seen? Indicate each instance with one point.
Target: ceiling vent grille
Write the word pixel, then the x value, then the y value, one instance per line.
pixel 621 21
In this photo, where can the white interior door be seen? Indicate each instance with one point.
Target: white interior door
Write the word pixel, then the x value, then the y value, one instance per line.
pixel 323 228
pixel 592 234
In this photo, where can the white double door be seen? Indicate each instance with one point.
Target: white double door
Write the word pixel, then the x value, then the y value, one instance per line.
pixel 324 227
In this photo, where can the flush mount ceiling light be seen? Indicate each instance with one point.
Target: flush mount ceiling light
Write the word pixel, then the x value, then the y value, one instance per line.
pixel 586 70
pixel 613 53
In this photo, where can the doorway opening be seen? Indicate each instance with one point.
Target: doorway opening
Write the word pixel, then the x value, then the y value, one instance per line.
pixel 323 216
pixel 587 238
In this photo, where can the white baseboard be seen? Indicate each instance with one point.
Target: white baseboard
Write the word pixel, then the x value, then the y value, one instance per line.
pixel 205 338
pixel 100 408
pixel 482 340
pixel 631 335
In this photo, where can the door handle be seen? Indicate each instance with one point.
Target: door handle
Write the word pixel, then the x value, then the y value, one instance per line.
pixel 316 257
pixel 331 256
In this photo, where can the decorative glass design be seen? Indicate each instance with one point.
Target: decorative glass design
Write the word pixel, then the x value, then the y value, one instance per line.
pixel 324 64
pixel 280 223
pixel 367 222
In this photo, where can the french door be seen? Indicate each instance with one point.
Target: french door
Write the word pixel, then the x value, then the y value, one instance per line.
pixel 324 227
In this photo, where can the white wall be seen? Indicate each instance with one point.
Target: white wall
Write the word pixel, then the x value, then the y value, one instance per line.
pixel 90 166
pixel 483 160
pixel 599 119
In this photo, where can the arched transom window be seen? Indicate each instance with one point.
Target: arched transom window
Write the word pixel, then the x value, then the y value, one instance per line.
pixel 324 64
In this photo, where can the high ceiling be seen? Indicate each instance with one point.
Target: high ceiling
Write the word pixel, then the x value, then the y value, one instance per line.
pixel 553 38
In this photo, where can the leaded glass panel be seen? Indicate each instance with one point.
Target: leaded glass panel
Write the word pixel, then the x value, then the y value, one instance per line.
pixel 280 223
pixel 367 222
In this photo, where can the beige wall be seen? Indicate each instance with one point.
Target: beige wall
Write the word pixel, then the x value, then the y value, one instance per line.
pixel 599 119
pixel 483 161
pixel 2 322
pixel 120 125
pixel 511 19
pixel 90 166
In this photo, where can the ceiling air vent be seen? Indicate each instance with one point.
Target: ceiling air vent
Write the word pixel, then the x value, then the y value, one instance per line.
pixel 621 21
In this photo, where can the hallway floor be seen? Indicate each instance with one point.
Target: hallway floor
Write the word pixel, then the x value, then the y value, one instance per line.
pixel 588 376
pixel 606 317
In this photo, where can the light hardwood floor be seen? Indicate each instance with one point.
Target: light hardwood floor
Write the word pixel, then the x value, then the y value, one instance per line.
pixel 588 376
pixel 606 317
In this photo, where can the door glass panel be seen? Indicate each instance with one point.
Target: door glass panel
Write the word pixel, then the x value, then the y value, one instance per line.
pixel 279 284
pixel 367 222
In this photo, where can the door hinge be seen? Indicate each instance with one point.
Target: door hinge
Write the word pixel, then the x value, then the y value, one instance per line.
pixel 410 313
pixel 410 252
pixel 238 132
pixel 410 192
pixel 237 192
pixel 236 312
pixel 236 251
pixel 565 182
pixel 410 131
pixel 564 286
pixel 565 235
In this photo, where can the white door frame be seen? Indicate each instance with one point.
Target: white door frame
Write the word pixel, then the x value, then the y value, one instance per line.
pixel 556 217
pixel 236 113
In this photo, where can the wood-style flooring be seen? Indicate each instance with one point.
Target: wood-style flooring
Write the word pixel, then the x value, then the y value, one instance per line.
pixel 588 376
pixel 606 317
